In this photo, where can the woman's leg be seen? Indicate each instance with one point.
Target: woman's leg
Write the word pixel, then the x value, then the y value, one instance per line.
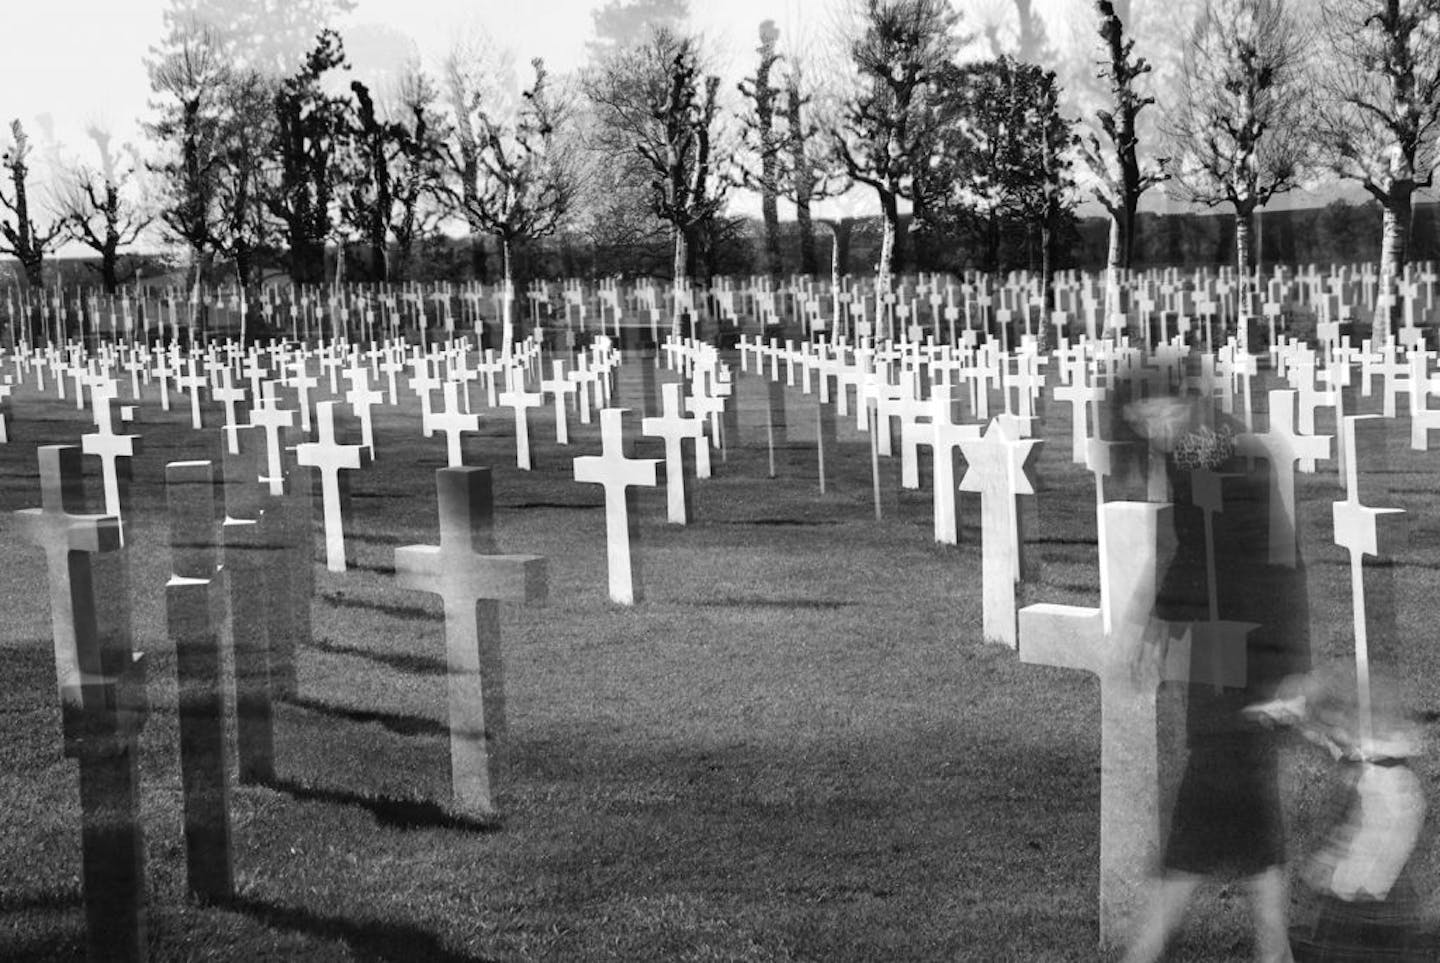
pixel 1163 917
pixel 1270 912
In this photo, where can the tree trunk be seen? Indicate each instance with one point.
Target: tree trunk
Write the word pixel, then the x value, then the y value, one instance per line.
pixel 478 269
pixel 681 264
pixel 809 264
pixel 380 260
pixel 1395 237
pixel 1114 258
pixel 682 259
pixel 770 211
pixel 1244 253
pixel 34 264
pixel 109 265
pixel 1047 257
pixel 507 317
pixel 890 226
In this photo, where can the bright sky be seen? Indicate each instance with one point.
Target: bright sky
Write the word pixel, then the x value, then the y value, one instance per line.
pixel 82 61
pixel 78 62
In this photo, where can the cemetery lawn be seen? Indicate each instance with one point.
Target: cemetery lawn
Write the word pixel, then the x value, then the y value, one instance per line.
pixel 797 747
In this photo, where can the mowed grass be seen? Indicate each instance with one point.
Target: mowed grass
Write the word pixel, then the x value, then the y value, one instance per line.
pixel 797 747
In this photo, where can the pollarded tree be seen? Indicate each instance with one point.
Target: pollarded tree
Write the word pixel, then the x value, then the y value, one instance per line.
pixel 884 131
pixel 1238 135
pixel 309 134
pixel 20 236
pixel 98 208
pixel 810 170
pixel 764 137
pixel 1115 164
pixel 657 99
pixel 1379 121
pixel 525 180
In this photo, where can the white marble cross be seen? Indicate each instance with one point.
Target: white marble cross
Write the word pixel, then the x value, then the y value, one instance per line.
pixel 520 401
pixel 1282 448
pixel 1359 531
pixel 361 398
pixel 560 387
pixel 1113 641
pixel 464 571
pixel 618 474
pixel 452 421
pixel 269 416
pixel 302 381
pixel 68 540
pixel 330 457
pixel 674 428
pixel 109 447
pixel 193 382
pixel 943 436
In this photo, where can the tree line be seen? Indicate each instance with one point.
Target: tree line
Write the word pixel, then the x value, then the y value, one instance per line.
pixel 968 158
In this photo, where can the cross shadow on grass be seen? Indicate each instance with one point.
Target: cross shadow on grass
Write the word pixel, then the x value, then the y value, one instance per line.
pixel 405 662
pixel 23 902
pixel 399 723
pixel 395 813
pixel 369 940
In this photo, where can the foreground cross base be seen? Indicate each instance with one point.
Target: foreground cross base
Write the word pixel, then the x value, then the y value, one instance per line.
pixel 472 581
pixel 101 682
pixel 1113 641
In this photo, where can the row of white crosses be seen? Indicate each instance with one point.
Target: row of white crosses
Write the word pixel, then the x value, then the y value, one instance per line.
pixel 216 367
pixel 1166 302
pixel 684 417
pixel 997 460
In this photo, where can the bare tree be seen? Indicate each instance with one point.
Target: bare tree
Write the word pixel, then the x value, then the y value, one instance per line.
pixel 524 183
pixel 1380 92
pixel 657 98
pixel 473 72
pixel 98 211
pixel 1238 135
pixel 810 169
pixel 187 76
pixel 21 237
pixel 1115 165
pixel 419 169
pixel 884 131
